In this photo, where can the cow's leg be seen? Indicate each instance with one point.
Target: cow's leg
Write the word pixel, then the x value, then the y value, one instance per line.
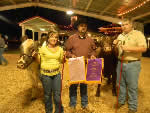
pixel 107 72
pixel 34 81
pixel 98 90
pixel 109 79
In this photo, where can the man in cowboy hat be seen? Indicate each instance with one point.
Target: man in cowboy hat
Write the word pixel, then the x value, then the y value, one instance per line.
pixel 79 45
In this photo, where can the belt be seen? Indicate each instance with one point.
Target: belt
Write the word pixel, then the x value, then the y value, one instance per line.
pixel 129 61
pixel 49 71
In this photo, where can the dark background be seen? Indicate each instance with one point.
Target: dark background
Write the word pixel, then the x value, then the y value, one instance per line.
pixel 9 22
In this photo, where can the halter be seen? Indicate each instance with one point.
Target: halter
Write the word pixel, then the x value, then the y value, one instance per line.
pixel 30 56
pixel 26 63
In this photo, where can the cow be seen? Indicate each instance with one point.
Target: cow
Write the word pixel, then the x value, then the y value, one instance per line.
pixel 109 53
pixel 27 61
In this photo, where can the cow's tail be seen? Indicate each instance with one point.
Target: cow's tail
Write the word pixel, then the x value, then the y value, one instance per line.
pixel 118 88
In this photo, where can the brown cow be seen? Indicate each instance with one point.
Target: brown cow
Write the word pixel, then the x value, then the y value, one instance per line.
pixel 109 53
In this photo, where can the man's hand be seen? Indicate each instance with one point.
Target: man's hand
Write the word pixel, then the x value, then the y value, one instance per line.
pixel 93 57
pixel 115 42
pixel 133 49
pixel 125 48
pixel 74 56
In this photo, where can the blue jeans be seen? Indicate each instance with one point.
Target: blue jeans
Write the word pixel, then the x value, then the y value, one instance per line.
pixel 52 84
pixel 129 83
pixel 73 94
pixel 2 59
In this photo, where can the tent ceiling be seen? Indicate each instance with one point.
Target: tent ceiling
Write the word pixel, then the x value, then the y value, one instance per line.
pixel 101 9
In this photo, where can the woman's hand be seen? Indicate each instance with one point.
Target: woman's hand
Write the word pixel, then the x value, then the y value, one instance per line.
pixel 34 54
pixel 65 53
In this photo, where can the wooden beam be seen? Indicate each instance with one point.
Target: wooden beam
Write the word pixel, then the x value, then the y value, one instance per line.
pixel 12 1
pixel 141 16
pixel 87 7
pixel 23 5
pixel 109 6
pixel 146 22
pixel 94 15
pixel 33 0
pixel 49 6
pixel 38 1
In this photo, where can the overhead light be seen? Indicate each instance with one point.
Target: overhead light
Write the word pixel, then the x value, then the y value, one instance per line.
pixel 70 12
pixel 89 34
pixel 42 29
pixel 120 23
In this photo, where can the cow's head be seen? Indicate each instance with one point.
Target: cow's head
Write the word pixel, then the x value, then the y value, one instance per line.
pixel 107 45
pixel 27 49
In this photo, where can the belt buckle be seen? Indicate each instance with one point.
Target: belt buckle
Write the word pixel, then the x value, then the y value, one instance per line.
pixel 50 71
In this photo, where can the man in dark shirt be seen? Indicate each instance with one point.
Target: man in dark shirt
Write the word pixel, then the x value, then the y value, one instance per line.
pixel 79 45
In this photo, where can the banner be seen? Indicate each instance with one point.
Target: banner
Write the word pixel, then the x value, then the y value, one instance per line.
pixel 76 70
pixel 94 70
pixel 79 74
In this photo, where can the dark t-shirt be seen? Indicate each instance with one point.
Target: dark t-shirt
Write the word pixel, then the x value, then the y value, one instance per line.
pixel 80 47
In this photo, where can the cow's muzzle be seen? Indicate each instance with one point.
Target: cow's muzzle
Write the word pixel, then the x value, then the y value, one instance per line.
pixel 20 65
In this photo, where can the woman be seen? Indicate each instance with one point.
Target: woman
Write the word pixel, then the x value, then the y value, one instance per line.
pixel 51 57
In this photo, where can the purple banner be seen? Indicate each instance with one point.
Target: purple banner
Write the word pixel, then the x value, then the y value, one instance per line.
pixel 94 69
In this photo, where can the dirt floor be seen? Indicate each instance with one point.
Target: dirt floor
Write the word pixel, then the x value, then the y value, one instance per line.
pixel 15 90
